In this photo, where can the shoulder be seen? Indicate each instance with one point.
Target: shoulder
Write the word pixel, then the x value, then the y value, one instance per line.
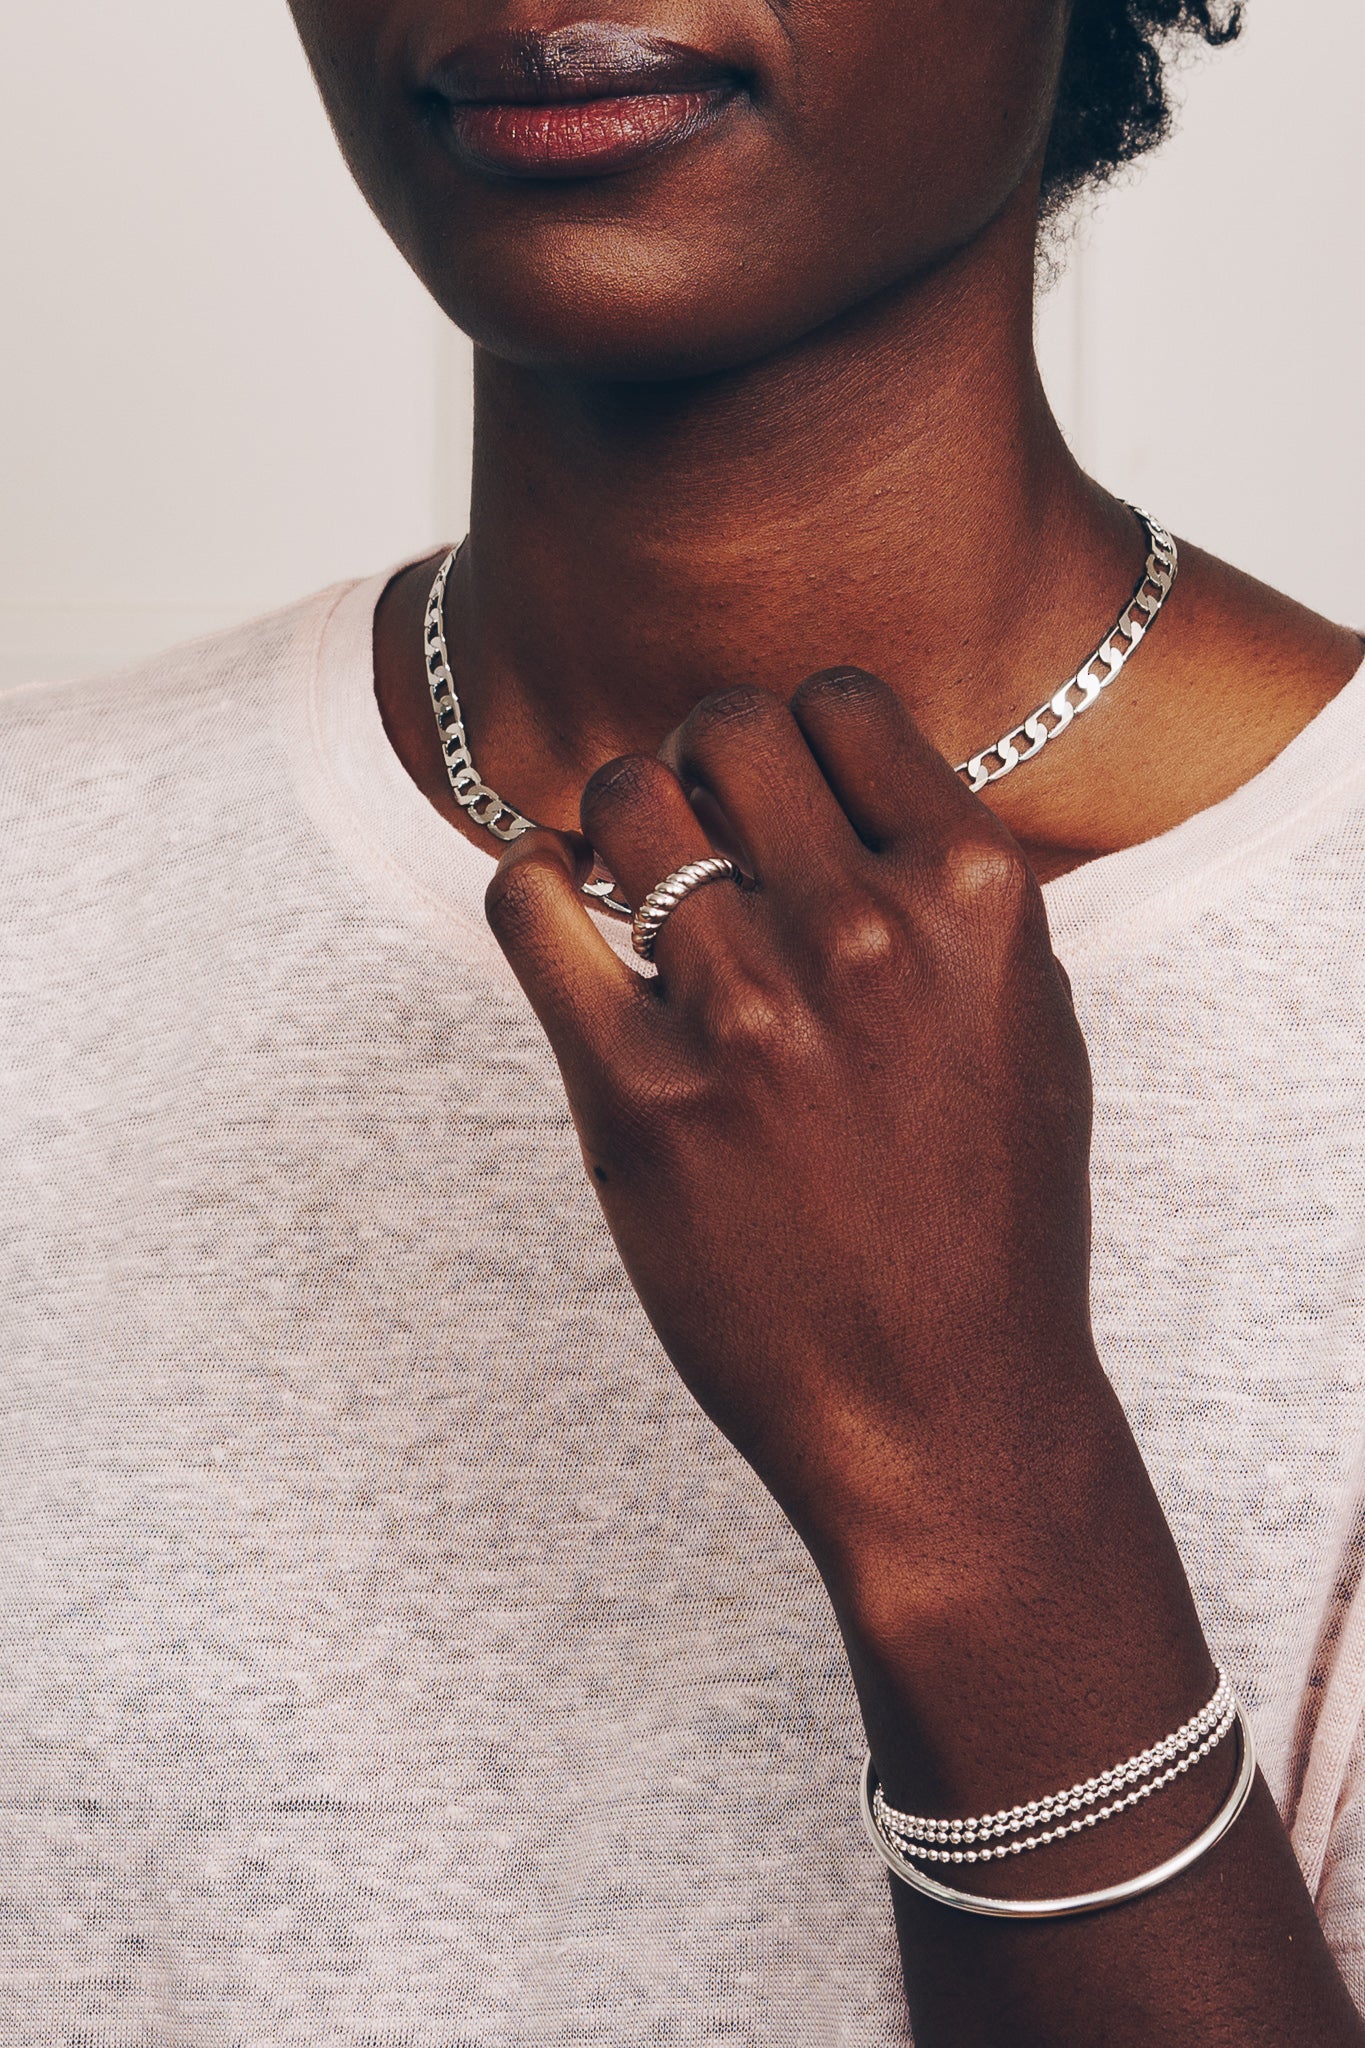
pixel 1237 673
pixel 123 795
pixel 1258 641
pixel 1250 672
pixel 75 753
pixel 134 713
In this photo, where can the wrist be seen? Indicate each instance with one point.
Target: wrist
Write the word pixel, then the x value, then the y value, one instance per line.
pixel 1001 1657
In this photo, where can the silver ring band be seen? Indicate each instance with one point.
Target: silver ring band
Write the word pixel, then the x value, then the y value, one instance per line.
pixel 1082 1902
pixel 660 904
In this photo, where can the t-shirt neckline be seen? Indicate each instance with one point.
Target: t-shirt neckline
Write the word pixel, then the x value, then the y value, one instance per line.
pixel 436 877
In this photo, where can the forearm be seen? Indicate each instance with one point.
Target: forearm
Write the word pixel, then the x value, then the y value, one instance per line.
pixel 843 1146
pixel 1053 1635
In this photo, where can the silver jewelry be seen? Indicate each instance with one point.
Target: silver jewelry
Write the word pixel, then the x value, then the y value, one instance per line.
pixel 660 904
pixel 507 823
pixel 467 786
pixel 1006 754
pixel 898 1861
pixel 1207 1727
pixel 1023 1843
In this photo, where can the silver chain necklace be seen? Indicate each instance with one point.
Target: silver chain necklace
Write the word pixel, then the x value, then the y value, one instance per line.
pixel 1021 743
pixel 467 786
pixel 1119 644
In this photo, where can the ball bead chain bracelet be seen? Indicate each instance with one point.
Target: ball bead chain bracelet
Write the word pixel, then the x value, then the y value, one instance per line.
pixel 914 1827
pixel 904 1841
pixel 1058 1833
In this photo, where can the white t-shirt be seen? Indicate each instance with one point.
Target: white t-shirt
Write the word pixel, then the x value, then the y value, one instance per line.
pixel 390 1652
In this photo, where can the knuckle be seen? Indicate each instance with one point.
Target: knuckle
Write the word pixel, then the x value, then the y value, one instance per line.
pixel 654 1119
pixel 667 1105
pixel 845 684
pixel 725 711
pixel 868 941
pixel 624 784
pixel 984 878
pixel 749 1023
pixel 636 1115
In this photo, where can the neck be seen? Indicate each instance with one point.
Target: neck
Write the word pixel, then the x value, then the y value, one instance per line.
pixel 891 491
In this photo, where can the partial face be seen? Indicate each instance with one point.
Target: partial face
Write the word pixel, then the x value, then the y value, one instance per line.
pixel 687 184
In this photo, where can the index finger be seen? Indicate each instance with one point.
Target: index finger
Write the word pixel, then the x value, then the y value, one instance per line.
pixel 578 987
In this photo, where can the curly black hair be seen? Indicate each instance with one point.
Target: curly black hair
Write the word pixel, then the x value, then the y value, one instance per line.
pixel 1114 101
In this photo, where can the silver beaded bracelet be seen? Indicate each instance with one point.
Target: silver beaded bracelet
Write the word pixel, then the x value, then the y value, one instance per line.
pixel 904 1840
pixel 952 1841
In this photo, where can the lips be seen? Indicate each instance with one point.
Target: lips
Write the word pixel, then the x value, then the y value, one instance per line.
pixel 580 101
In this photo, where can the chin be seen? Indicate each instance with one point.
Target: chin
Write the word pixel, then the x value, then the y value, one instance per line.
pixel 619 307
pixel 600 335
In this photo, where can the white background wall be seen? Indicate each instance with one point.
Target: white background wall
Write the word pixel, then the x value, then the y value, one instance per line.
pixel 1206 351
pixel 220 388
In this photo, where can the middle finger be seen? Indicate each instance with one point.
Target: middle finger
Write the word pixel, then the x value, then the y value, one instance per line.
pixel 638 820
pixel 743 753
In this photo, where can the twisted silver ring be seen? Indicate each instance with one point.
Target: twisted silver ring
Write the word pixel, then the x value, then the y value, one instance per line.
pixel 660 904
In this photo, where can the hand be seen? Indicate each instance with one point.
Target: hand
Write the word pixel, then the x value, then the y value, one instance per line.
pixel 842 1143
pixel 842 1140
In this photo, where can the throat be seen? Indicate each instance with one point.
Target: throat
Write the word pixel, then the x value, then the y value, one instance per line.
pixel 892 494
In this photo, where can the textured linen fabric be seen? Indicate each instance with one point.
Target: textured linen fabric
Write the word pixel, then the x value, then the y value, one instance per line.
pixel 390 1652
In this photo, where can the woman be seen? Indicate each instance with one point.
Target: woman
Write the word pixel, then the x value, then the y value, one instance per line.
pixel 457 1681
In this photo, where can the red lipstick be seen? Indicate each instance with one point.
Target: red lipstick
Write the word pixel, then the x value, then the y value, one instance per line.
pixel 574 102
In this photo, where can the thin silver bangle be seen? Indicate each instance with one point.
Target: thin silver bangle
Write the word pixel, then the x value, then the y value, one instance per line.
pixel 1082 1902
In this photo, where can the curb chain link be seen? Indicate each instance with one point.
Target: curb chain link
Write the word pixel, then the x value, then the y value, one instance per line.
pixel 1004 755
pixel 1001 758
